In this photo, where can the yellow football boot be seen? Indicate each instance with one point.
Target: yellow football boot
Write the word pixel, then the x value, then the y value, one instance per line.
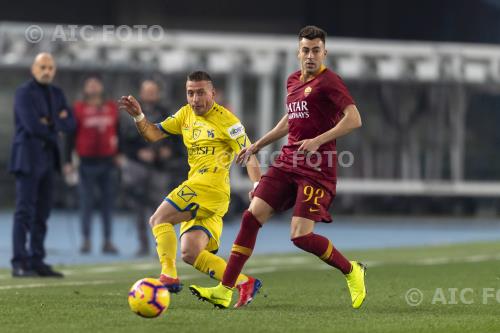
pixel 219 296
pixel 356 284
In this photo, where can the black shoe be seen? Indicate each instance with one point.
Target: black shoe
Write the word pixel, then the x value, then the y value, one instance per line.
pixel 86 247
pixel 142 252
pixel 21 272
pixel 109 248
pixel 47 271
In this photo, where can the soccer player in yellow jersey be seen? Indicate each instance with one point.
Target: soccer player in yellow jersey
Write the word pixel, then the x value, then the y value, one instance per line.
pixel 213 136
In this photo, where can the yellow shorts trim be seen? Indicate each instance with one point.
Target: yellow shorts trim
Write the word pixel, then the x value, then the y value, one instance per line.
pixel 212 226
pixel 207 206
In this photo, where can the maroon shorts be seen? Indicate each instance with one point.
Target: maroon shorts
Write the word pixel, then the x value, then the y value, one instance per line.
pixel 310 198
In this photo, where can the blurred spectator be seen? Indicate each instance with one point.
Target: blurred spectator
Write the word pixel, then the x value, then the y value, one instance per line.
pixel 149 170
pixel 96 143
pixel 41 111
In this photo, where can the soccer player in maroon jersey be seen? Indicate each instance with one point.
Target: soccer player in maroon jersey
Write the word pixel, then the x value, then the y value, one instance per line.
pixel 320 110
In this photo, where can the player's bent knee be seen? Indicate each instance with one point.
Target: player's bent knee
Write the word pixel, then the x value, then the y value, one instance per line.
pixel 189 255
pixel 301 227
pixel 260 217
pixel 156 219
pixel 296 231
pixel 169 217
pixel 152 221
pixel 260 210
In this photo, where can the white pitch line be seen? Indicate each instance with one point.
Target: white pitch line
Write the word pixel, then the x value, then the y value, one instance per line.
pixel 76 283
pixel 112 269
pixel 102 270
pixel 436 261
pixel 261 270
pixel 450 260
pixel 60 284
pixel 479 258
pixel 285 266
pixel 295 260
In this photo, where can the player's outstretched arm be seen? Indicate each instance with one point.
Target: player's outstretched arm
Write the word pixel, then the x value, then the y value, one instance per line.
pixel 348 123
pixel 279 131
pixel 148 130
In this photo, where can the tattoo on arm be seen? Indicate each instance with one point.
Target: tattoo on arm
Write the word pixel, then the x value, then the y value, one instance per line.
pixel 142 127
pixel 149 131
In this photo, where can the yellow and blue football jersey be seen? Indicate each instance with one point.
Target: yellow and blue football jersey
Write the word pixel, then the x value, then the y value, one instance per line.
pixel 212 140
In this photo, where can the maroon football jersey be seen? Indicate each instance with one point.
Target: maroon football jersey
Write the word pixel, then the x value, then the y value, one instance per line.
pixel 314 107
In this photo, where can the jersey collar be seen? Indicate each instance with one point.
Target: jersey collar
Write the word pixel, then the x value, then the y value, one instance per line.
pixel 214 106
pixel 321 70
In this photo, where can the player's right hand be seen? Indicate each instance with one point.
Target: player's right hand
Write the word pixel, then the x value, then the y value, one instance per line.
pixel 130 105
pixel 250 195
pixel 245 154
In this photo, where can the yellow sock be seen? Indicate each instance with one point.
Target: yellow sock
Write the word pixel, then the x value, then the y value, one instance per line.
pixel 166 246
pixel 214 266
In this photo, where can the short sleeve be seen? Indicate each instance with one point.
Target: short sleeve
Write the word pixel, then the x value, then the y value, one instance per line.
pixel 338 94
pixel 237 138
pixel 172 125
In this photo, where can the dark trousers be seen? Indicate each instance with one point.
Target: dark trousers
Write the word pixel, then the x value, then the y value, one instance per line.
pixel 144 187
pixel 138 185
pixel 100 175
pixel 33 204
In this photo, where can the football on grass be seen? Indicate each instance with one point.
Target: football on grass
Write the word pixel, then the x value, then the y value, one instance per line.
pixel 148 298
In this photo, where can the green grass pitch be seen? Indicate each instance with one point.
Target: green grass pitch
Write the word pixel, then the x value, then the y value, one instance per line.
pixel 300 294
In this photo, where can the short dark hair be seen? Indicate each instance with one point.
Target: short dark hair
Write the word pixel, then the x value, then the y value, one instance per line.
pixel 93 76
pixel 312 32
pixel 199 76
pixel 155 82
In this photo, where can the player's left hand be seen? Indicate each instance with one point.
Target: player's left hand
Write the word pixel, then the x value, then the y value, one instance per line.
pixel 245 154
pixel 308 145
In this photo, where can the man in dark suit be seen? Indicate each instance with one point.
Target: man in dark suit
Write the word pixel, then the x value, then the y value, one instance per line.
pixel 41 111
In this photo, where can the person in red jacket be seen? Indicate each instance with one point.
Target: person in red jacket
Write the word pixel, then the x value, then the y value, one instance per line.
pixel 96 144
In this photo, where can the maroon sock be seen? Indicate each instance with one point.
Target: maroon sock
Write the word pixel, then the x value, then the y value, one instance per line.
pixel 323 248
pixel 242 248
